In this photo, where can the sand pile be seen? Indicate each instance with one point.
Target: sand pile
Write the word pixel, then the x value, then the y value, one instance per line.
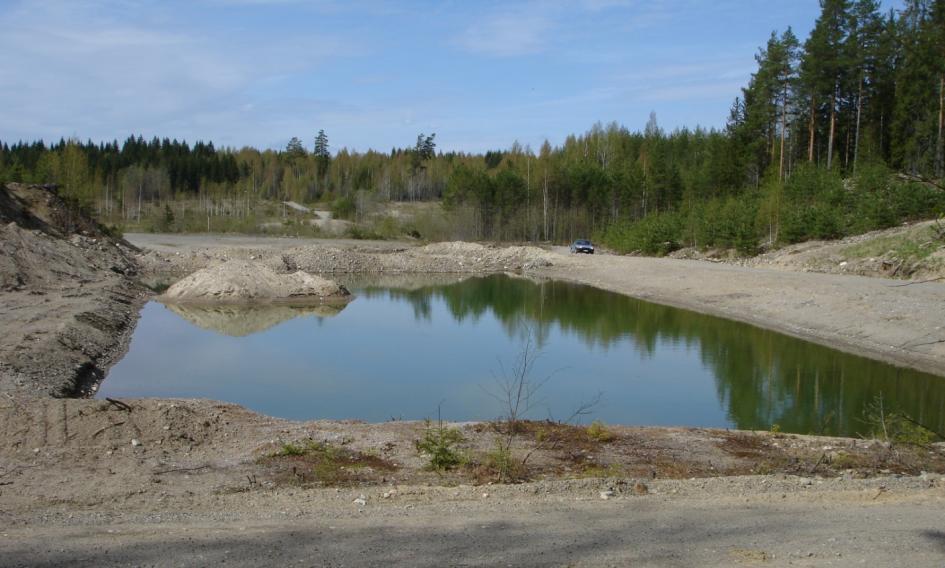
pixel 242 281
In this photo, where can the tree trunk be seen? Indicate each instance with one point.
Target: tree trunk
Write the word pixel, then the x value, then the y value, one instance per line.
pixel 783 133
pixel 940 143
pixel 528 185
pixel 810 128
pixel 859 112
pixel 544 199
pixel 833 123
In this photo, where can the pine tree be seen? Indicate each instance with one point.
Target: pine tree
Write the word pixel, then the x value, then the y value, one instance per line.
pixel 322 153
pixel 824 70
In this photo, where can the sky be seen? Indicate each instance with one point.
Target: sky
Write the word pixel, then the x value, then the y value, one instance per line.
pixel 478 73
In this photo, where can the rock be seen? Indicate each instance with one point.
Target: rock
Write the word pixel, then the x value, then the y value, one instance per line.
pixel 607 494
pixel 805 481
pixel 135 442
pixel 640 488
pixel 360 501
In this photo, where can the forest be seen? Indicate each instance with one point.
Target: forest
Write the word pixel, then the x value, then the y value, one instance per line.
pixel 835 134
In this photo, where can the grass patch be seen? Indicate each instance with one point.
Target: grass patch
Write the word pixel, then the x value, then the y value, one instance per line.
pixel 317 463
pixel 911 246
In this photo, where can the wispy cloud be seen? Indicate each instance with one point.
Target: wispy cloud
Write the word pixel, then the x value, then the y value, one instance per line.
pixel 514 32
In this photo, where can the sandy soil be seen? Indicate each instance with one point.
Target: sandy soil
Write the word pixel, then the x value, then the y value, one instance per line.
pixel 186 482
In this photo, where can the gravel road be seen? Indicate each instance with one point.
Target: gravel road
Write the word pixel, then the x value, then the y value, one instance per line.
pixel 727 523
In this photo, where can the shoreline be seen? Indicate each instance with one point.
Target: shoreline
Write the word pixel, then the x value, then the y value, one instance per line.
pixel 905 326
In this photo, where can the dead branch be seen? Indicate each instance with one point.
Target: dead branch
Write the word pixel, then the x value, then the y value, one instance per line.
pixel 118 403
pixel 823 457
pixel 917 282
pixel 936 342
pixel 180 469
pixel 102 429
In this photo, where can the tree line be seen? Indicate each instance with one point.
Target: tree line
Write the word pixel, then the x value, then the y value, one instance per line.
pixel 807 152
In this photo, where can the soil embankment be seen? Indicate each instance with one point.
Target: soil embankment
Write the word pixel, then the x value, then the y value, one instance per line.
pixel 70 295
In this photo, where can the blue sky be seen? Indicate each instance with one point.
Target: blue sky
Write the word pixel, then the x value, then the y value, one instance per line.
pixel 480 74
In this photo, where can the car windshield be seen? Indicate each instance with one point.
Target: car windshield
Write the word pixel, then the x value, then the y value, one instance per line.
pixel 579 242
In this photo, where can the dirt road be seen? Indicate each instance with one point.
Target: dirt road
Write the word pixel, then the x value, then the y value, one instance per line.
pixel 510 527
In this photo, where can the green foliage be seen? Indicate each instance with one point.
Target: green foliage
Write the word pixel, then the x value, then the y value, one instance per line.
pixel 440 446
pixel 167 222
pixel 343 208
pixel 895 426
pixel 363 233
pixel 501 461
pixel 657 234
pixel 598 432
pixel 291 449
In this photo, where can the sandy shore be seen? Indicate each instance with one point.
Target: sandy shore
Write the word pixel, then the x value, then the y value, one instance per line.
pixel 891 320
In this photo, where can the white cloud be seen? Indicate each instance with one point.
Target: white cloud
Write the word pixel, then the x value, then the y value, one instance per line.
pixel 98 70
pixel 511 33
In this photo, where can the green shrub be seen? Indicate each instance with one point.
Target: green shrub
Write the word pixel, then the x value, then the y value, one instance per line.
pixel 895 426
pixel 360 232
pixel 439 445
pixel 598 432
pixel 658 234
pixel 504 465
pixel 343 208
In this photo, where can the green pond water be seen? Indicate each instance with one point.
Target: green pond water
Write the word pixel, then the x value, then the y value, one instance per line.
pixel 404 348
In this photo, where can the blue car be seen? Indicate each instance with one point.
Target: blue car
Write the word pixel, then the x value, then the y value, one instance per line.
pixel 582 245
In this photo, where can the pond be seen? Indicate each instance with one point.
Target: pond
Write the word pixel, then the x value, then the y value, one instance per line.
pixel 408 349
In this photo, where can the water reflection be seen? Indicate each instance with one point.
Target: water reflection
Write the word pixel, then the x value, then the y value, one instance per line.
pixel 762 378
pixel 241 320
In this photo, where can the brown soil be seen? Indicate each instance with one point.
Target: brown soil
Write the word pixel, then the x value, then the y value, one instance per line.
pixel 70 298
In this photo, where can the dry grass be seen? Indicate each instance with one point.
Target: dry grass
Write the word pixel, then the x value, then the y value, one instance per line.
pixel 317 463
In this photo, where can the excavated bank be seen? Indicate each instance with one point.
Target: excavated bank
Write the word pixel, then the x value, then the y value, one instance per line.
pixel 70 294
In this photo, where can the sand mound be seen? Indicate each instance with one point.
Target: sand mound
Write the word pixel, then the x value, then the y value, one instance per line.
pixel 242 281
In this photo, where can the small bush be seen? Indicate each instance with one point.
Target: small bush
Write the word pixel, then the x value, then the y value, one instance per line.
pixel 504 465
pixel 290 449
pixel 895 426
pixel 363 233
pixel 343 208
pixel 439 445
pixel 599 433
